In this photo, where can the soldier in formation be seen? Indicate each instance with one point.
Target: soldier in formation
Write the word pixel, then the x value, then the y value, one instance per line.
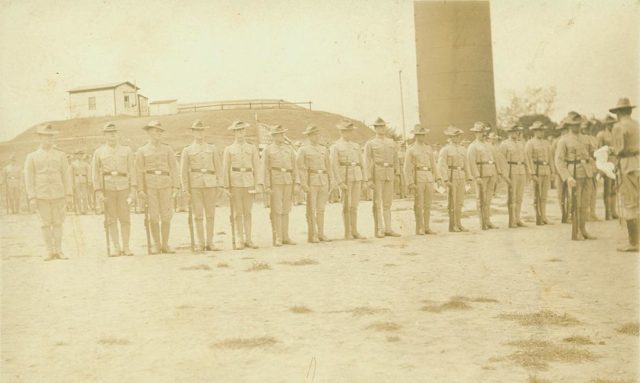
pixel 12 177
pixel 483 169
pixel 513 151
pixel 81 172
pixel 540 162
pixel 454 170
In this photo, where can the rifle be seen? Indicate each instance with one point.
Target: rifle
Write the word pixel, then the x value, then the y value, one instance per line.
pixel 310 221
pixel 190 213
pixel 106 221
pixel 480 203
pixel 450 195
pixel 146 212
pixel 231 212
pixel 73 190
pixel 374 204
pixel 510 198
pixel 345 201
pixel 574 201
pixel 273 229
pixel 538 195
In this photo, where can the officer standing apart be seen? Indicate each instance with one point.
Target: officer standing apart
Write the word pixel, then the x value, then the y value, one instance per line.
pixel 572 162
pixel 48 183
pixel 240 165
pixel 513 151
pixel 280 178
pixel 158 174
pixel 605 137
pixel 316 180
pixel 540 159
pixel 80 170
pixel 201 171
pixel 346 161
pixel 114 180
pixel 420 172
pixel 454 170
pixel 381 165
pixel 12 175
pixel 626 143
pixel 482 166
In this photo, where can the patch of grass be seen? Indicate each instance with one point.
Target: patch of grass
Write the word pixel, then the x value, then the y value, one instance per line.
pixel 411 254
pixel 113 341
pixel 390 265
pixel 247 258
pixel 300 262
pixel 452 304
pixel 393 339
pixel 555 260
pixel 580 340
pixel 402 246
pixel 541 318
pixel 259 266
pixel 601 380
pixel 537 354
pixel 222 264
pixel 196 267
pixel 362 311
pixel 535 379
pixel 474 299
pixel 58 344
pixel 384 326
pixel 242 343
pixel 300 310
pixel 630 328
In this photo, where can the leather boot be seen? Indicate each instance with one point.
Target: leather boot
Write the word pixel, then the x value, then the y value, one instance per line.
pixel 209 232
pixel 199 233
pixel 154 228
pixel 353 213
pixel 125 231
pixel 47 235
pixel 518 221
pixel 277 228
pixel 165 227
pixel 346 219
pixel 285 230
pixel 583 223
pixel 115 240
pixel 247 232
pixel 320 221
pixel 238 222
pixel 57 241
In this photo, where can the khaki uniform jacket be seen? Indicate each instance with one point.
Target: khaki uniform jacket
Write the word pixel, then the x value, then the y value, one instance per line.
pixel 314 166
pixel 47 175
pixel 481 160
pixel 572 157
pixel 13 175
pixel 117 164
pixel 81 172
pixel 381 159
pixel 157 166
pixel 241 162
pixel 626 140
pixel 539 156
pixel 280 165
pixel 344 153
pixel 420 165
pixel 453 162
pixel 201 165
pixel 513 152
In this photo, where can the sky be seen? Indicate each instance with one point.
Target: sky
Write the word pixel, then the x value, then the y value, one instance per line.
pixel 342 55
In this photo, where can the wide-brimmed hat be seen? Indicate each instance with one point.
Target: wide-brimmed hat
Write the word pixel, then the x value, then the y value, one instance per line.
pixel 418 129
pixel 198 125
pixel 345 125
pixel 493 136
pixel 109 127
pixel 623 103
pixel 572 118
pixel 238 125
pixel 379 122
pixel 477 127
pixel 47 130
pixel 153 124
pixel 452 131
pixel 537 125
pixel 311 129
pixel 609 120
pixel 514 128
pixel 276 129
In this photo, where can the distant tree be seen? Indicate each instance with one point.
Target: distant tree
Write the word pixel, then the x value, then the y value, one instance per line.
pixel 531 102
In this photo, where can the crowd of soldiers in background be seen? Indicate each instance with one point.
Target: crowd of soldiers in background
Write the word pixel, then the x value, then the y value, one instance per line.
pixel 113 181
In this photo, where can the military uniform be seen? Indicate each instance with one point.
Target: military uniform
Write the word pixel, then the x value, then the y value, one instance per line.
pixel 80 174
pixel 420 172
pixel 346 162
pixel 381 165
pixel 454 170
pixel 241 174
pixel 314 168
pixel 115 180
pixel 483 168
pixel 12 176
pixel 561 187
pixel 540 159
pixel 48 184
pixel 605 138
pixel 513 152
pixel 573 161
pixel 157 171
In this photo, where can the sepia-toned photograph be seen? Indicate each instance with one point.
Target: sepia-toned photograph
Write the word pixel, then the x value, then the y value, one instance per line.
pixel 319 191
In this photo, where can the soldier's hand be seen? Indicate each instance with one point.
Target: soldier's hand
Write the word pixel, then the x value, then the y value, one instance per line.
pixel 479 180
pixel 142 195
pixel 571 182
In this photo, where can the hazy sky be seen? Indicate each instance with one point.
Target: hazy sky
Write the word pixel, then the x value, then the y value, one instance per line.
pixel 342 55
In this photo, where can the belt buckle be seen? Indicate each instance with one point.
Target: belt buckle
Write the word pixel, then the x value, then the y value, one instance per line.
pixel 490 162
pixel 353 163
pixel 114 173
pixel 203 170
pixel 243 169
pixel 157 172
pixel 283 170
pixel 385 164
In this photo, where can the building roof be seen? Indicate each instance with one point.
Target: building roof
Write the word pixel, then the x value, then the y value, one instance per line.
pixel 163 101
pixel 100 87
pixel 143 96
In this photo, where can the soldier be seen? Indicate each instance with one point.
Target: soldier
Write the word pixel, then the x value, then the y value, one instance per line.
pixel 12 176
pixel 626 141
pixel 280 179
pixel 381 166
pixel 80 175
pixel 483 168
pixel 316 179
pixel 48 184
pixel 241 175
pixel 114 180
pixel 605 137
pixel 563 191
pixel 201 171
pixel 157 171
pixel 420 172
pixel 540 158
pixel 454 170
pixel 572 162
pixel 513 151
pixel 592 144
pixel 493 141
pixel 90 190
pixel 346 162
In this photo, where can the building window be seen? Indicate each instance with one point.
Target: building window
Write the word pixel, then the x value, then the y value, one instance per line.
pixel 126 102
pixel 92 103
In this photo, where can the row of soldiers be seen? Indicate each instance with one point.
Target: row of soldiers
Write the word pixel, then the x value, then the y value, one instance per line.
pixel 152 175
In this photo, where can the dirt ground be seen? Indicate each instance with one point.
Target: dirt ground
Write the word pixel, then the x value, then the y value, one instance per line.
pixel 508 305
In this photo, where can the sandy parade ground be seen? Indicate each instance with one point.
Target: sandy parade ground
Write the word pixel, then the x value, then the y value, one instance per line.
pixel 507 305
